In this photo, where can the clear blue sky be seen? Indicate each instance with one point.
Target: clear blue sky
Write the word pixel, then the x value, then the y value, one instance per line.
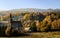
pixel 17 4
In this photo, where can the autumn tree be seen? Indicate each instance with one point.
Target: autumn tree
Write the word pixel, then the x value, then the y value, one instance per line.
pixel 33 26
pixel 38 24
pixel 45 24
pixel 55 24
pixel 26 16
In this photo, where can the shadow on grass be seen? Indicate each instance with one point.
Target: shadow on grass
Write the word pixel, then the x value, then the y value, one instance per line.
pixel 17 35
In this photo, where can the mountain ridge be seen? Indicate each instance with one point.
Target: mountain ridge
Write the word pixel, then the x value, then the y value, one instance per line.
pixel 30 10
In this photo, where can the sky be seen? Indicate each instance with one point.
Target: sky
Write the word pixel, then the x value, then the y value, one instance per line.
pixel 18 4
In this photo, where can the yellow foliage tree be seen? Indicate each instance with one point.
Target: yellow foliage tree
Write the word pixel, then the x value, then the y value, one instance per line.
pixel 26 16
pixel 56 24
pixel 38 25
pixel 45 24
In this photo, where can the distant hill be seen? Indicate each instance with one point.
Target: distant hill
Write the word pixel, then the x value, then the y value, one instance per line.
pixel 30 10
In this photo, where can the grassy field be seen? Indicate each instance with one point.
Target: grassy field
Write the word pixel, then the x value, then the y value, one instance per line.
pixel 39 35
